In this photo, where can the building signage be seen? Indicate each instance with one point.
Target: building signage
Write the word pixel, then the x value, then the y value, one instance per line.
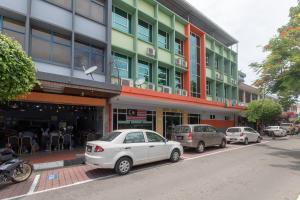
pixel 134 114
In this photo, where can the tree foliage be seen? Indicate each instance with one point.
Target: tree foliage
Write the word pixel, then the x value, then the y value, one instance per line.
pixel 17 71
pixel 286 101
pixel 264 110
pixel 280 71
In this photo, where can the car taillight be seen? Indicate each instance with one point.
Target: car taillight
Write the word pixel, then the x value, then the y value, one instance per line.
pixel 98 149
pixel 241 134
pixel 190 136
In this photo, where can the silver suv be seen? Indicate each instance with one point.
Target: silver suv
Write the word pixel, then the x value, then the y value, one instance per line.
pixel 199 136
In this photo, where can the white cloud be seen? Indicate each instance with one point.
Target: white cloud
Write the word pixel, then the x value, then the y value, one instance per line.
pixel 251 22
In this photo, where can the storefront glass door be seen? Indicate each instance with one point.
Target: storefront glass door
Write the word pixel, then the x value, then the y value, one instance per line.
pixel 171 119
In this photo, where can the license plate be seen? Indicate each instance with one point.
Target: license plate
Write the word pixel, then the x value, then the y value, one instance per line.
pixel 89 148
pixel 179 137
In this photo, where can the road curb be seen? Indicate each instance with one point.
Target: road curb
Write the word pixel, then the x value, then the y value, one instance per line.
pixel 60 163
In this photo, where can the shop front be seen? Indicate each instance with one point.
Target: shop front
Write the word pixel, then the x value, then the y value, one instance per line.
pixel 44 122
pixel 162 116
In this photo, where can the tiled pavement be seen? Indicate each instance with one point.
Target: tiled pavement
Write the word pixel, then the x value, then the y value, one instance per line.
pixel 69 175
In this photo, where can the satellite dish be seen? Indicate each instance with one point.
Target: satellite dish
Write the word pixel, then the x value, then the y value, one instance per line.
pixel 89 71
pixel 140 81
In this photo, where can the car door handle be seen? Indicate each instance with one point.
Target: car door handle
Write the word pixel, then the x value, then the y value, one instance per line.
pixel 151 146
pixel 127 148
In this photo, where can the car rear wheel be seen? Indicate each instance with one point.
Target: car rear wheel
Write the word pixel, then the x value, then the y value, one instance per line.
pixel 123 166
pixel 258 140
pixel 223 144
pixel 175 156
pixel 246 142
pixel 200 148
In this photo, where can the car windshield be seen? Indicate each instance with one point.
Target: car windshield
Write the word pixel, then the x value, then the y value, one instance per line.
pixel 234 130
pixel 285 124
pixel 110 136
pixel 182 129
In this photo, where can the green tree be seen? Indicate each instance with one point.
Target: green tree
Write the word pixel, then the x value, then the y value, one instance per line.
pixel 263 111
pixel 286 101
pixel 280 71
pixel 17 71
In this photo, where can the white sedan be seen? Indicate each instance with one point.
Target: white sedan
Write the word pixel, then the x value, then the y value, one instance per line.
pixel 122 149
pixel 242 134
pixel 276 131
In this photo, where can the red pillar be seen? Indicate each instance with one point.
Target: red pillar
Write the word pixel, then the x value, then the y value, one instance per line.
pixel 187 55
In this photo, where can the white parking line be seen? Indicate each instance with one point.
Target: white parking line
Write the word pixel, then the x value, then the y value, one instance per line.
pixel 226 150
pixel 114 175
pixel 34 184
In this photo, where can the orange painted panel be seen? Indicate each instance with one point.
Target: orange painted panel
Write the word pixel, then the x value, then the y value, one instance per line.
pixel 62 99
pixel 218 123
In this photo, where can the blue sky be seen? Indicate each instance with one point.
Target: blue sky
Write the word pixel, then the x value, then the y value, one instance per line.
pixel 252 22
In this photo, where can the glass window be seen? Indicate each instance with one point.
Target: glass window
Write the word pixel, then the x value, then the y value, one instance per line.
pixel 200 129
pixel 92 9
pixel 145 31
pixel 145 71
pixel 179 46
pixel 195 65
pixel 110 137
pixel 88 56
pixel 234 130
pixel 51 47
pixel 121 20
pixel 163 39
pixel 178 80
pixel 182 129
pixel 208 88
pixel 135 137
pixel 211 129
pixel 153 137
pixel 63 3
pixel 14 29
pixel 212 117
pixel 163 76
pixel 121 65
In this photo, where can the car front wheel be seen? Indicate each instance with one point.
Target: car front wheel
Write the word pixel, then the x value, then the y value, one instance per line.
pixel 123 166
pixel 175 156
pixel 246 142
pixel 200 147
pixel 258 140
pixel 223 144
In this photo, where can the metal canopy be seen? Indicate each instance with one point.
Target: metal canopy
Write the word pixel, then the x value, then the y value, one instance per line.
pixel 191 14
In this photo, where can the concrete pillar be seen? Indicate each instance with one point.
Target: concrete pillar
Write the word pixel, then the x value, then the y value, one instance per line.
pixel 159 121
pixel 244 96
pixel 185 117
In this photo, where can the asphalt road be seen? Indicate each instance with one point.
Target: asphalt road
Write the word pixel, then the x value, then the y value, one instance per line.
pixel 269 171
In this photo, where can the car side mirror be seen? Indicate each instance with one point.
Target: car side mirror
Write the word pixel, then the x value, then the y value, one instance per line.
pixel 165 140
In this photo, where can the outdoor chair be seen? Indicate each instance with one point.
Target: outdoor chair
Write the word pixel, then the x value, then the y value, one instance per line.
pixel 14 141
pixel 26 142
pixel 67 141
pixel 54 140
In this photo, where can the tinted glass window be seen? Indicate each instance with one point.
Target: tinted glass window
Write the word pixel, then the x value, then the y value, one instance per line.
pixel 200 129
pixel 14 29
pixel 153 137
pixel 135 137
pixel 234 130
pixel 110 137
pixel 182 129
pixel 211 129
pixel 92 9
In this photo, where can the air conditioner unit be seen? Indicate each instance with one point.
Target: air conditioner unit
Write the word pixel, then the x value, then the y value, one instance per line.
pixel 167 89
pixel 126 82
pixel 151 86
pixel 151 52
pixel 184 93
pixel 181 62
pixel 217 76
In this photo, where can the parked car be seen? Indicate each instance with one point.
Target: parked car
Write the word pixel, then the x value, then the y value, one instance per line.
pixel 122 149
pixel 242 134
pixel 275 131
pixel 289 127
pixel 199 136
pixel 297 126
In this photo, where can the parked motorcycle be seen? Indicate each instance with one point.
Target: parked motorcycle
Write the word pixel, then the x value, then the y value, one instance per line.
pixel 13 168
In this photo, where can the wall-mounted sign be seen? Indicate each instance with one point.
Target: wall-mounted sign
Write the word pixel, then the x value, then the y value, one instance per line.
pixel 134 114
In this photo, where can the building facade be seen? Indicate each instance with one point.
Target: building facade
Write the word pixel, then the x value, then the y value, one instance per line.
pixel 171 68
pixel 64 39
